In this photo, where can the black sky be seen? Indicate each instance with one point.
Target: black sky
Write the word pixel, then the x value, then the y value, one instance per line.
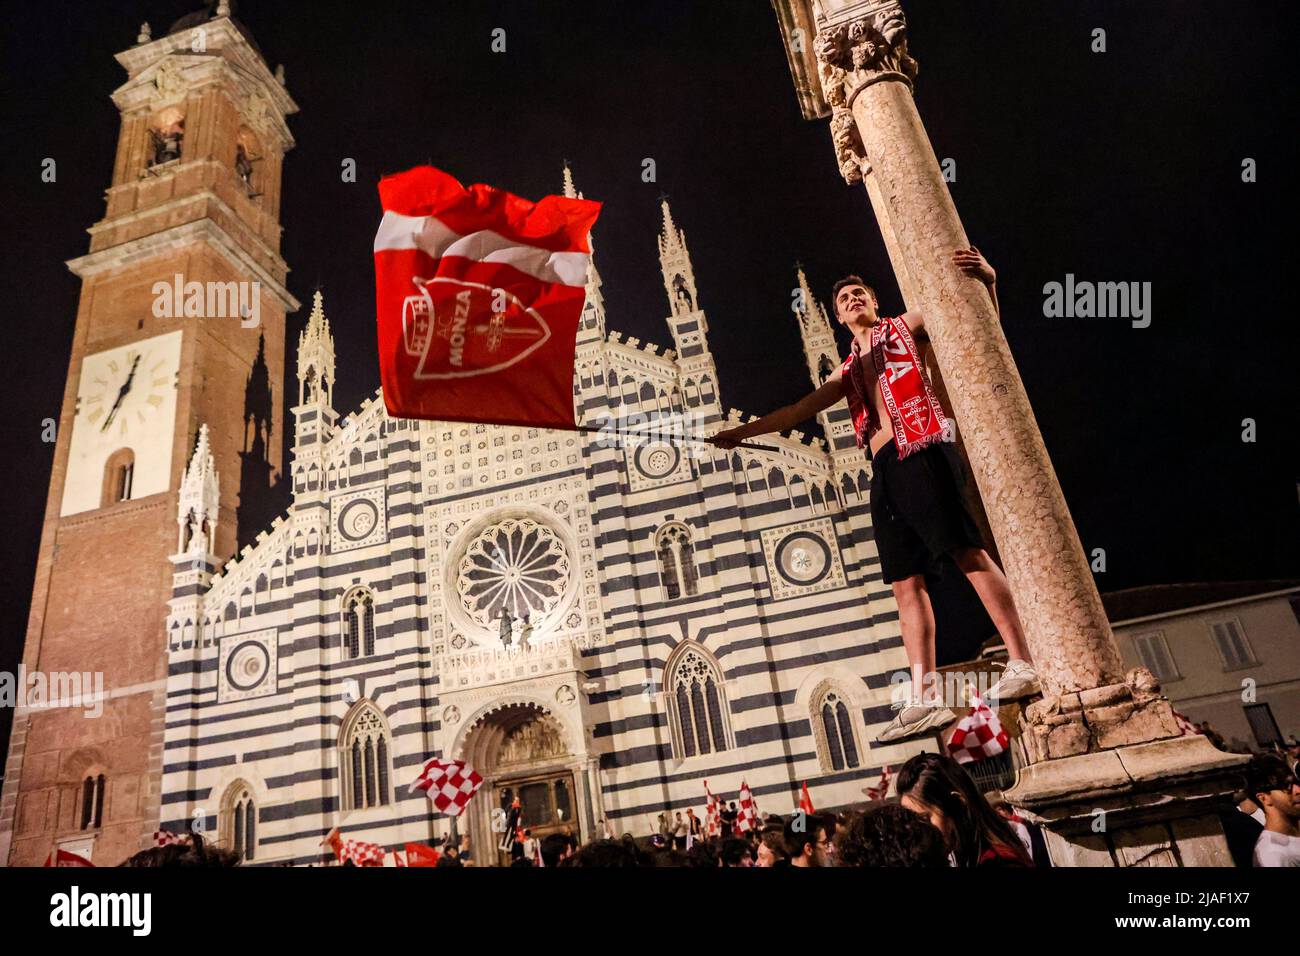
pixel 1121 166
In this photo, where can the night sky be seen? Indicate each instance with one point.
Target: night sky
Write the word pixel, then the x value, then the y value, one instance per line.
pixel 1120 166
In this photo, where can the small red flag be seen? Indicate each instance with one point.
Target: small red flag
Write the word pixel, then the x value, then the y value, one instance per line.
pixel 478 294
pixel 805 801
pixel 417 854
pixel 64 858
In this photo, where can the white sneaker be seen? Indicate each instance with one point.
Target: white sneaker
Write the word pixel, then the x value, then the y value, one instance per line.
pixel 915 719
pixel 1019 679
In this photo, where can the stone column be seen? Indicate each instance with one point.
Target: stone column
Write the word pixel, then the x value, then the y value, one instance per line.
pixel 866 77
pixel 1103 745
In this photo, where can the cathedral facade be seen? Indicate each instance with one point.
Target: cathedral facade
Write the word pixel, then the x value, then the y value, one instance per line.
pixel 597 624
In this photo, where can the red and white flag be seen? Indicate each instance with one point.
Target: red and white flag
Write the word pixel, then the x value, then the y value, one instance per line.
pixel 881 789
pixel 748 819
pixel 977 736
pixel 417 854
pixel 478 294
pixel 64 858
pixel 712 814
pixel 805 800
pixel 1185 726
pixel 167 838
pixel 359 852
pixel 449 784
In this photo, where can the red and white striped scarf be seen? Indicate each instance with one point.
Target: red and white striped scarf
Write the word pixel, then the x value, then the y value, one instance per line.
pixel 915 413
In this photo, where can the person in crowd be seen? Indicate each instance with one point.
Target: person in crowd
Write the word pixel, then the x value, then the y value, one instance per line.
pixel 466 856
pixel 936 787
pixel 450 857
pixel 680 830
pixel 1273 786
pixel 606 853
pixel 771 847
pixel 555 847
pixel 664 834
pixel 729 817
pixel 191 853
pixel 890 835
pixel 703 854
pixel 735 851
pixel 805 840
pixel 695 827
pixel 1030 834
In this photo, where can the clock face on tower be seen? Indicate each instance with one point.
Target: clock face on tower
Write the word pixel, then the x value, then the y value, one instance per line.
pixel 126 410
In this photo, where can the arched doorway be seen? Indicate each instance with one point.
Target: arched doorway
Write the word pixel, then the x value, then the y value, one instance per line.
pixel 523 751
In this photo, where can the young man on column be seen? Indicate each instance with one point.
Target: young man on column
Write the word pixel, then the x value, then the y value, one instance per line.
pixel 917 510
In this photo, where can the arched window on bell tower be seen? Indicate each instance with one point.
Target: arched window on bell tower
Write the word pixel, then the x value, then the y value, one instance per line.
pixel 119 472
pixel 248 156
pixel 92 802
pixel 166 136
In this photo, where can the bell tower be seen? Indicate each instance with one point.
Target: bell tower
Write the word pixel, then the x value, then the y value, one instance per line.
pixel 180 322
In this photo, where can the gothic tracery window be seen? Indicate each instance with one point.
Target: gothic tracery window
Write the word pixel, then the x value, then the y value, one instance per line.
pixel 697 704
pixel 676 561
pixel 837 725
pixel 365 752
pixel 239 821
pixel 359 623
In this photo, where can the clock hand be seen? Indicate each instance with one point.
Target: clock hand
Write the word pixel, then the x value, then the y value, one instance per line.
pixel 121 394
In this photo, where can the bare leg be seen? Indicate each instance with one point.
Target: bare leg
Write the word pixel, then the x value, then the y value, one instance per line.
pixel 916 620
pixel 991 585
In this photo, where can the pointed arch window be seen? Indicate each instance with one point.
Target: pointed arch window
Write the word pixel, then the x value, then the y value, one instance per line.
pixel 676 554
pixel 837 727
pixel 365 750
pixel 238 823
pixel 697 704
pixel 359 623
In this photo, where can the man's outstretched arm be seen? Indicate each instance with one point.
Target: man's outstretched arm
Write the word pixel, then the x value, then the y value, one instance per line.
pixel 786 417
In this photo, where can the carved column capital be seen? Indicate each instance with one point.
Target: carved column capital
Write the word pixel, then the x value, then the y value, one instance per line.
pixel 853 54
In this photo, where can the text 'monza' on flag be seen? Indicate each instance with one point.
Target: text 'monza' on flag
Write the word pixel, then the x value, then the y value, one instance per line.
pixel 478 294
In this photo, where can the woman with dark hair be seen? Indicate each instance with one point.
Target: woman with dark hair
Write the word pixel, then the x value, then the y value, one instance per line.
pixel 938 788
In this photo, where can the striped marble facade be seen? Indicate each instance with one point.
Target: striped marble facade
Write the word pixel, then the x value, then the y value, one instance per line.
pixel 696 614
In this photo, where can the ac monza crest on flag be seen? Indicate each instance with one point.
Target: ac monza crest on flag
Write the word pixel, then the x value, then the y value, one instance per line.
pixel 449 784
pixel 478 295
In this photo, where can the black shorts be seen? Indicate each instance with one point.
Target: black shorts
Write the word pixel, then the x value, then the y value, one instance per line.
pixel 917 509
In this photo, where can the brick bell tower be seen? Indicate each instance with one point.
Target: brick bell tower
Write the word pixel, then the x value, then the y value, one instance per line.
pixel 193 208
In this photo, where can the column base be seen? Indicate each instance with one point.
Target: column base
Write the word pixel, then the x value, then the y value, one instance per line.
pixel 1101 718
pixel 1146 804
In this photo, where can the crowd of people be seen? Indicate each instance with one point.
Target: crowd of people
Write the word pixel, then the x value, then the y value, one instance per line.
pixel 940 819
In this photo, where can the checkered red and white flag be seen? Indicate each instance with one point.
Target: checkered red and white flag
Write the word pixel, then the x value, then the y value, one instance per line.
pixel 167 837
pixel 712 813
pixel 977 736
pixel 478 295
pixel 449 784
pixel 359 852
pixel 1185 726
pixel 748 819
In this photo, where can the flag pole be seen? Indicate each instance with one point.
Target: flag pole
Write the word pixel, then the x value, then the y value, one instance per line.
pixel 590 429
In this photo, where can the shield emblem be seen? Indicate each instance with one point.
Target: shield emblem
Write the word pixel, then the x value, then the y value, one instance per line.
pixel 460 329
pixel 915 413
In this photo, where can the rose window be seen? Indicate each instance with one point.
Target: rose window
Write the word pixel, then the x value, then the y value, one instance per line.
pixel 516 565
